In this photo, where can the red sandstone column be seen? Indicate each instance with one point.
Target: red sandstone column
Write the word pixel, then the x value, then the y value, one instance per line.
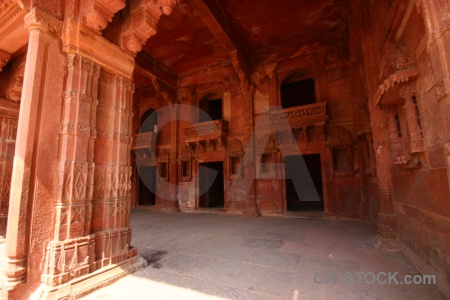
pixel 111 205
pixel 33 186
pixel 387 221
pixel 251 205
pixel 173 205
pixel 73 206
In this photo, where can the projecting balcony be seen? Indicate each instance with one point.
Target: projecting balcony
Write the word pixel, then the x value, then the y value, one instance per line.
pixel 301 116
pixel 143 140
pixel 306 123
pixel 142 145
pixel 206 133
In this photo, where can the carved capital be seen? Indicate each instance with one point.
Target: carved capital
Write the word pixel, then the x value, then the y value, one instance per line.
pixel 97 14
pixel 40 20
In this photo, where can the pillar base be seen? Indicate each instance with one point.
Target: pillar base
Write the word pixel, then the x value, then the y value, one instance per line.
pixel 251 214
pixel 386 244
pixel 90 282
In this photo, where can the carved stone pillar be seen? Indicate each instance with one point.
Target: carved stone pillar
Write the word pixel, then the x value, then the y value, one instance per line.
pixel 387 220
pixel 249 163
pixel 173 204
pixel 30 225
pixel 72 239
pixel 7 144
pixel 89 229
pixel 372 160
pixel 111 206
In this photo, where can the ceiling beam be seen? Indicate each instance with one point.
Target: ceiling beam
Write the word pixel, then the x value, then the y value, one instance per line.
pixel 149 67
pixel 219 24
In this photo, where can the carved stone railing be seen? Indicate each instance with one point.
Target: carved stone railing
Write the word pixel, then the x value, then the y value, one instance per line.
pixel 301 116
pixel 142 146
pixel 143 140
pixel 207 133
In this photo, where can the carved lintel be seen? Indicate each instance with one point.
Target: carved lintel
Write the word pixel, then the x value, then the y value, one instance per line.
pixel 99 13
pixel 4 58
pixel 40 20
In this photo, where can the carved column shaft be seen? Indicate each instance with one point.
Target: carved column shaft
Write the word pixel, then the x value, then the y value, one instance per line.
pixel 73 206
pixel 249 163
pixel 172 204
pixel 387 223
pixel 33 178
pixel 112 183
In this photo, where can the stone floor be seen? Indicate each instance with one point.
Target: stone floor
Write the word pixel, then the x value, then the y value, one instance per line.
pixel 211 256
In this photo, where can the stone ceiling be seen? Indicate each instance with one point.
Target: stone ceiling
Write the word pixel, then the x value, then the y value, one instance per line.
pixel 203 32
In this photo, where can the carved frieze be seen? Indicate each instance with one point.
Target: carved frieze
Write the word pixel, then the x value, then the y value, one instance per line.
pixel 207 136
pixel 301 116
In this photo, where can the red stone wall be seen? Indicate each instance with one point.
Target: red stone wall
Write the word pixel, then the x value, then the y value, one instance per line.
pixel 417 162
pixel 343 195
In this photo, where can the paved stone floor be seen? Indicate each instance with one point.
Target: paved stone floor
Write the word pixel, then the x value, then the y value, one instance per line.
pixel 211 256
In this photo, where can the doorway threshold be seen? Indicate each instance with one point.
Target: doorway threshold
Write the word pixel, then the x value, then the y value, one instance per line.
pixel 310 215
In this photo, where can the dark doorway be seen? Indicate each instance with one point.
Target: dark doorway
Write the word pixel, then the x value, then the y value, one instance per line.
pixel 298 90
pixel 295 202
pixel 214 197
pixel 149 121
pixel 146 196
pixel 213 107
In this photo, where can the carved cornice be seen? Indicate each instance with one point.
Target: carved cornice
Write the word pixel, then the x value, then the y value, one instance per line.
pixel 394 79
pixel 40 20
pixel 13 35
pixel 98 13
pixel 142 21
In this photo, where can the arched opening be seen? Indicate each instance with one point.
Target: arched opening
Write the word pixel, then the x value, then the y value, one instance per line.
pixel 149 121
pixel 298 89
pixel 147 174
pixel 212 105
